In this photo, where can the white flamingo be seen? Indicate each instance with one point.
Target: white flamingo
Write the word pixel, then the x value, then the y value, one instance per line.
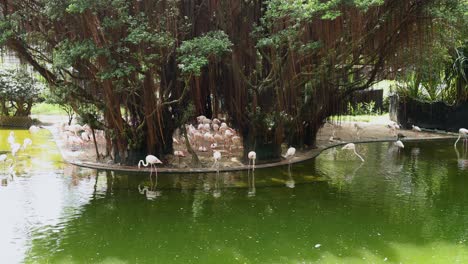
pixel 15 147
pixel 11 138
pixel 252 157
pixel 33 129
pixel 399 145
pixel 359 129
pixel 27 142
pixel 351 146
pixel 151 161
pixel 217 159
pixel 290 153
pixel 462 132
pixel 416 129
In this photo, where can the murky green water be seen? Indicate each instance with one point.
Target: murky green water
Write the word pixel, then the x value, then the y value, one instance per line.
pixel 409 206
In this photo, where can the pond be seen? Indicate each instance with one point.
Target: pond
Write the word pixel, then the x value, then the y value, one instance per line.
pixel 407 206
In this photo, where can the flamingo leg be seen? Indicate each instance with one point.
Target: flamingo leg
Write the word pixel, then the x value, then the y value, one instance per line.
pixel 248 174
pixel 156 177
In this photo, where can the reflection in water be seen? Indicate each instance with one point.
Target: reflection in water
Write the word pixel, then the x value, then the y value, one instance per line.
pixel 386 209
pixel 216 158
pixel 252 156
pixel 290 183
pixel 217 189
pixel 251 183
pixel 462 160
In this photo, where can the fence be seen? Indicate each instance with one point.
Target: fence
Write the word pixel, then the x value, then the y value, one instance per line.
pixel 436 115
pixel 15 121
pixel 361 97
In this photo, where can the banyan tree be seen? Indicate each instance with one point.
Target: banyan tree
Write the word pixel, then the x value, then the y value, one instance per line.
pixel 275 68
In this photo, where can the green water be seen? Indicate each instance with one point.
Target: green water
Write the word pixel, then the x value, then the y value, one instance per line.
pixel 397 207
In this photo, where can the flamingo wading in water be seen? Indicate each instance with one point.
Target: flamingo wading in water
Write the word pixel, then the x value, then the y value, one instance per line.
pixel 151 161
pixel 217 159
pixel 290 153
pixel 351 146
pixel 462 132
pixel 252 157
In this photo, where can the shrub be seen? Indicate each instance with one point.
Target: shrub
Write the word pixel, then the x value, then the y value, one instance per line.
pixel 18 92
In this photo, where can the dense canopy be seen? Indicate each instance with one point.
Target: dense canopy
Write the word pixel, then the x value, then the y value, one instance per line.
pixel 275 69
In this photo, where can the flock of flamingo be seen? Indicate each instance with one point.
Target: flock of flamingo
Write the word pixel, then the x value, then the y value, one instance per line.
pixel 209 134
pixel 15 147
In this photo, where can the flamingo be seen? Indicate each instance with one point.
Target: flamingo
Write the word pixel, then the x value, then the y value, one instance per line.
pixel 462 132
pixel 151 161
pixel 236 141
pixel 416 129
pixel 27 142
pixel 33 129
pixel 11 138
pixel 201 118
pixel 290 153
pixel 179 154
pixel 202 149
pixel 393 128
pixel 252 157
pixel 227 137
pixel 216 121
pixel 85 136
pixel 351 146
pixel 399 145
pixel 217 159
pixel 15 147
pixel 358 128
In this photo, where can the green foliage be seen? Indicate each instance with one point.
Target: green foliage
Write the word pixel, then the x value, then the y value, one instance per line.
pixel 196 53
pixel 439 74
pixel 362 109
pixel 47 109
pixel 68 52
pixel 19 90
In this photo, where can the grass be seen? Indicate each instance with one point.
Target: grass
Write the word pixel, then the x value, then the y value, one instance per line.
pixel 47 109
pixel 359 118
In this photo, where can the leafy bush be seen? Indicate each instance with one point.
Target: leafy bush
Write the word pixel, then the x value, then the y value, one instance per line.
pixel 362 109
pixel 18 92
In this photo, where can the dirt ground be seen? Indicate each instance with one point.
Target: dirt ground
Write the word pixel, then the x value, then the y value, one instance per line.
pixel 329 134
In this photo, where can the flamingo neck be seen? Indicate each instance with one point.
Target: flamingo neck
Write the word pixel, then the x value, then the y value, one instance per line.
pixel 142 162
pixel 459 136
pixel 355 152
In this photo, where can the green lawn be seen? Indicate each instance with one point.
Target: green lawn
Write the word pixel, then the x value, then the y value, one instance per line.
pixel 47 109
pixel 360 118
